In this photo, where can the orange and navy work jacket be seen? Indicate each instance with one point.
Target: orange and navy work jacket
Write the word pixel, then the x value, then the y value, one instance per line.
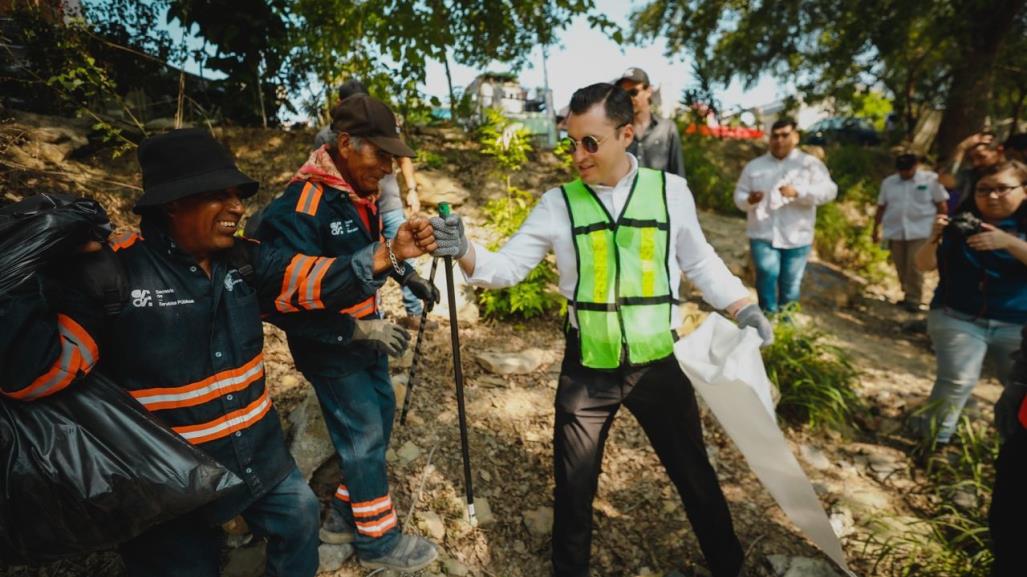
pixel 187 346
pixel 316 219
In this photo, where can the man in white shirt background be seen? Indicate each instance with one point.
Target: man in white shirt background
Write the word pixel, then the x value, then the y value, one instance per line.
pixel 780 192
pixel 906 206
pixel 622 236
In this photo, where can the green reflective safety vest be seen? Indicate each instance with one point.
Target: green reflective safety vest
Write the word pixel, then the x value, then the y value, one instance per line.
pixel 622 301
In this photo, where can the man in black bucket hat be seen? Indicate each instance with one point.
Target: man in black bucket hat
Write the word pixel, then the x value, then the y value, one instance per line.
pixel 188 346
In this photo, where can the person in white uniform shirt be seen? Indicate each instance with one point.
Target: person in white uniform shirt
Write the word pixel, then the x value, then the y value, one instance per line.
pixel 906 206
pixel 622 235
pixel 780 192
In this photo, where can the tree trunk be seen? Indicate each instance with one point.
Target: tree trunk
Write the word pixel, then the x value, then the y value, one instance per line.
pixel 970 92
pixel 449 81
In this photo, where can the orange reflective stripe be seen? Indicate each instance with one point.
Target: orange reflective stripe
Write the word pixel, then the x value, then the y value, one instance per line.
pixel 200 392
pixel 227 424
pixel 297 270
pixel 372 508
pixel 124 241
pixel 342 493
pixel 362 309
pixel 1023 413
pixel 310 199
pixel 310 286
pixel 78 356
pixel 378 527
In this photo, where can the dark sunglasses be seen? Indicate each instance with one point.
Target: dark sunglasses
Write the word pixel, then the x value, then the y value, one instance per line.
pixel 589 143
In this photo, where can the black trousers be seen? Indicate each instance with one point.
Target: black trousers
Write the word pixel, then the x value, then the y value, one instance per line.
pixel 1008 512
pixel 663 401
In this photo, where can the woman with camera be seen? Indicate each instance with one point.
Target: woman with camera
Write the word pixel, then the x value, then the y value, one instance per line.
pixel 980 303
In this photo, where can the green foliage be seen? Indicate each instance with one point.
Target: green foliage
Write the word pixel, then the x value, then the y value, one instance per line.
pixel 928 55
pixel 953 541
pixel 506 141
pixel 844 229
pixel 429 158
pixel 535 295
pixel 858 171
pixel 816 380
pixel 711 185
pixel 508 145
pixel 849 244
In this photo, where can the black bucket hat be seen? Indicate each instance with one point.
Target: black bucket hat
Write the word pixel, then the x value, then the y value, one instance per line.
pixel 185 162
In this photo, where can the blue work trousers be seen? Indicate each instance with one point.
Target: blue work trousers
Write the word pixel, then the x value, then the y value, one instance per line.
pixel 287 516
pixel 358 409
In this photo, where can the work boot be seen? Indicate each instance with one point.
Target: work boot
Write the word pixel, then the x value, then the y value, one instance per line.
pixel 411 553
pixel 335 530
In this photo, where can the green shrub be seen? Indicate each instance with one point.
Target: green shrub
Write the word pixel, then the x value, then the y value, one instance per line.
pixel 815 379
pixel 712 187
pixel 858 171
pixel 849 244
pixel 430 159
pixel 954 541
pixel 535 295
pixel 508 144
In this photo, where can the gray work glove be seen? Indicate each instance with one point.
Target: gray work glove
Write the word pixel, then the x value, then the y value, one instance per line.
pixel 382 336
pixel 449 235
pixel 752 316
pixel 1007 409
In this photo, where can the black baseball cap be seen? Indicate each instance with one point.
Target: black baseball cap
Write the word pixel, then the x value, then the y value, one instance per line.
pixel 906 161
pixel 369 118
pixel 634 75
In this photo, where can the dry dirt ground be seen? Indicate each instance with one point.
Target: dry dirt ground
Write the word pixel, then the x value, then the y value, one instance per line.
pixel 640 524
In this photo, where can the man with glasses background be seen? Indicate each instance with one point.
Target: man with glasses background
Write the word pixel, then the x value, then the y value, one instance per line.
pixel 780 192
pixel 622 235
pixel 656 144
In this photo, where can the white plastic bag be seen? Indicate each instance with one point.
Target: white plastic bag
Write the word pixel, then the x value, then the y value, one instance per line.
pixel 725 367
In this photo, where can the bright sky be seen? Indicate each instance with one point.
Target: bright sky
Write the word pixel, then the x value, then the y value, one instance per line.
pixel 584 56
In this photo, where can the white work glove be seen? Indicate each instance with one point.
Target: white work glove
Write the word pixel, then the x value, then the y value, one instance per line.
pixel 752 316
pixel 449 235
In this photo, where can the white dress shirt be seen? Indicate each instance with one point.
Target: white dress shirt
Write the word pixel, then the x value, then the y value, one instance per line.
pixel 548 228
pixel 910 205
pixel 785 222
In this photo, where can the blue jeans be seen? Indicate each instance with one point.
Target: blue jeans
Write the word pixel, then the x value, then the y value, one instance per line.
pixel 288 516
pixel 778 273
pixel 391 219
pixel 358 410
pixel 961 344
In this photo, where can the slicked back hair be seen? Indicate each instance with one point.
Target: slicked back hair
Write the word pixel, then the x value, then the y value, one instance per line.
pixel 783 122
pixel 616 102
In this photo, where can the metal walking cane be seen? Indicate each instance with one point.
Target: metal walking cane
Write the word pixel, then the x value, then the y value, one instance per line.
pixel 417 352
pixel 458 375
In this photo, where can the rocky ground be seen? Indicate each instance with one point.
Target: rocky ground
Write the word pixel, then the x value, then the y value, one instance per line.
pixel 868 483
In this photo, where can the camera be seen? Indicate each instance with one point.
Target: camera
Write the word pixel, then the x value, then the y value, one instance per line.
pixel 966 223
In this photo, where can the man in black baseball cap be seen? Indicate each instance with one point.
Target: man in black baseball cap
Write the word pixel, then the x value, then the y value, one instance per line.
pixel 657 144
pixel 329 210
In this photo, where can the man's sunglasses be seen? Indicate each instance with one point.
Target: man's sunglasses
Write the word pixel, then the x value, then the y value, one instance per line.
pixel 589 143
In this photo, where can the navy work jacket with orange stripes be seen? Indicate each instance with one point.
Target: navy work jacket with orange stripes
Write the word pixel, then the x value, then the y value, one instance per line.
pixel 313 218
pixel 187 346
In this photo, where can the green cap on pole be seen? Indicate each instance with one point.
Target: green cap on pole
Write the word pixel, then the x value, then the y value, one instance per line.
pixel 444 209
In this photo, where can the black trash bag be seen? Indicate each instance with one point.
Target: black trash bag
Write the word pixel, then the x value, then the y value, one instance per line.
pixel 42 228
pixel 89 468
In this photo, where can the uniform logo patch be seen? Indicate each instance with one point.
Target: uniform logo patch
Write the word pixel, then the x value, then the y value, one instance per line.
pixel 141 298
pixel 339 228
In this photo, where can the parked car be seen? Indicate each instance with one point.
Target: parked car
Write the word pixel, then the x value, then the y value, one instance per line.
pixel 841 130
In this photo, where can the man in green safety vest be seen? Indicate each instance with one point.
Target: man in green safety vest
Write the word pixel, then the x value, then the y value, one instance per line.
pixel 622 236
